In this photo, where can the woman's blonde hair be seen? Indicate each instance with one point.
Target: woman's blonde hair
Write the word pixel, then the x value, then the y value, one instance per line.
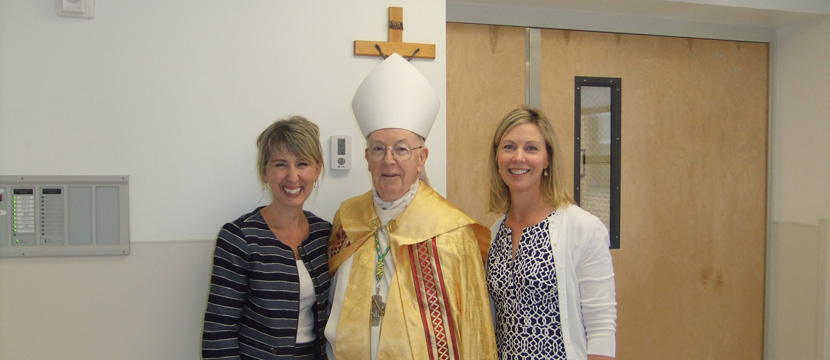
pixel 552 186
pixel 297 135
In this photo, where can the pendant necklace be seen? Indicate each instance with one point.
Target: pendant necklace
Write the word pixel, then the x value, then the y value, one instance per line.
pixel 378 306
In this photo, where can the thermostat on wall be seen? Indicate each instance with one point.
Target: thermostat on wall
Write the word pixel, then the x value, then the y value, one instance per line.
pixel 341 152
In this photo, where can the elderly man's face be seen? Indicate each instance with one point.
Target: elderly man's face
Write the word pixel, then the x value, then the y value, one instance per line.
pixel 391 175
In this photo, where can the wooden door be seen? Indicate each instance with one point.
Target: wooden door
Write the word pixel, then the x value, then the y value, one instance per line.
pixel 486 83
pixel 690 270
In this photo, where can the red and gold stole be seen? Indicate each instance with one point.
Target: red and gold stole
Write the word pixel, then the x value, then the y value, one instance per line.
pixel 433 301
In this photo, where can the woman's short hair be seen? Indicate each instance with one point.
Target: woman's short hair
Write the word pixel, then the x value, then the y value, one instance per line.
pixel 553 187
pixel 296 135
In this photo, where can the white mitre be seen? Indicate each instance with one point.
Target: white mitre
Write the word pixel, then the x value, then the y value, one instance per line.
pixel 395 95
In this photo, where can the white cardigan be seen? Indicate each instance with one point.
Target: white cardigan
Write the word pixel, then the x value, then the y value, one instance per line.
pixel 585 281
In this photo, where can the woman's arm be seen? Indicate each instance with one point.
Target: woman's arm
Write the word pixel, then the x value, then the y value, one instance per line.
pixel 228 290
pixel 595 274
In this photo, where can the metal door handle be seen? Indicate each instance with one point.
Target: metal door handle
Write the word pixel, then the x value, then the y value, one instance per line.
pixel 582 168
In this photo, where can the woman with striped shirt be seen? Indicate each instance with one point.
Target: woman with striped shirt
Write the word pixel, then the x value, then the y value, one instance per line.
pixel 269 286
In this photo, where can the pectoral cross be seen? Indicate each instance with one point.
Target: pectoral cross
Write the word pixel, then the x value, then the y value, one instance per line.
pixel 378 309
pixel 378 306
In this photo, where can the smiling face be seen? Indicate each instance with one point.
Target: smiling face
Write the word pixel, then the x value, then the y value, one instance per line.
pixel 290 179
pixel 391 177
pixel 522 157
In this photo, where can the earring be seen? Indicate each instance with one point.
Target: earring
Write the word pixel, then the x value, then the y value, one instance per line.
pixel 315 184
pixel 545 172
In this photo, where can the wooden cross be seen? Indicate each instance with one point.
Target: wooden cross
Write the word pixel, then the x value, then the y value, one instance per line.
pixel 395 43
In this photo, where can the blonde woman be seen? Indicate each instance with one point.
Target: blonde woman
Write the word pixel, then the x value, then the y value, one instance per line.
pixel 269 289
pixel 549 269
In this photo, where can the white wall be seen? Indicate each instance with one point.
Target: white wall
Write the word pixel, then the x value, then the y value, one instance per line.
pixel 799 262
pixel 801 123
pixel 173 94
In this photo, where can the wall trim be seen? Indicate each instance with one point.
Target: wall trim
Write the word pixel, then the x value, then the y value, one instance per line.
pixel 770 179
pixel 604 22
pixel 824 237
pixel 533 58
pixel 176 241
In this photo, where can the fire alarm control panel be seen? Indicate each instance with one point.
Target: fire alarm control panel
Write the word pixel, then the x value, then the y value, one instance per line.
pixel 64 216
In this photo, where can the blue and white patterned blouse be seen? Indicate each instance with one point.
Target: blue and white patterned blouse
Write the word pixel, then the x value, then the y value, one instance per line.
pixel 525 295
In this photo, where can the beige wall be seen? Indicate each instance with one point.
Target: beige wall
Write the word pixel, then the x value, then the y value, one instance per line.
pixel 148 305
pixel 798 292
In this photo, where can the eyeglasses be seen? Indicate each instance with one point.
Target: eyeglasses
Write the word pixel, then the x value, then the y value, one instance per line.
pixel 401 152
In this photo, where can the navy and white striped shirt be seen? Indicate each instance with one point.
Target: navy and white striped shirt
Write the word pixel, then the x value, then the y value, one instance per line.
pixel 253 305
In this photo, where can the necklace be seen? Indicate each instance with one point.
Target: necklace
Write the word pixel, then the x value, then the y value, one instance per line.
pixel 378 306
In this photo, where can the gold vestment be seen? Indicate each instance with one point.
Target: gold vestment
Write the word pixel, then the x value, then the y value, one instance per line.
pixel 438 306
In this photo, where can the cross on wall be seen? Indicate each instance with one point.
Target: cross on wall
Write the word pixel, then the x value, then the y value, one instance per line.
pixel 395 43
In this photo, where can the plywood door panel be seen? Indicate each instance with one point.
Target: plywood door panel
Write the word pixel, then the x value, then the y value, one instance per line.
pixel 485 80
pixel 690 271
